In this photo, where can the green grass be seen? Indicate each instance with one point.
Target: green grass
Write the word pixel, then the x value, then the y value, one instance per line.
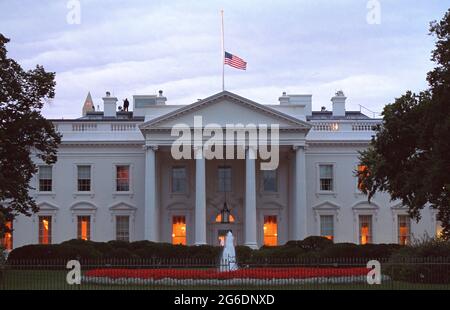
pixel 56 280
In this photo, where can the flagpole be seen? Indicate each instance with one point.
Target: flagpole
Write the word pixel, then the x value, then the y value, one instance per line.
pixel 222 58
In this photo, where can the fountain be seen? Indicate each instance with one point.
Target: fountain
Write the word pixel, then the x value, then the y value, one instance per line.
pixel 228 259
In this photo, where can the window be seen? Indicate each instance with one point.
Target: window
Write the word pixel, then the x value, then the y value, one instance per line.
pixel 270 230
pixel 84 227
pixel 221 236
pixel 84 178
pixel 122 178
pixel 326 177
pixel 179 180
pixel 270 183
pixel 439 229
pixel 404 229
pixel 45 229
pixel 123 228
pixel 179 230
pixel 7 240
pixel 361 169
pixel 219 218
pixel 45 178
pixel 365 229
pixel 327 226
pixel 224 179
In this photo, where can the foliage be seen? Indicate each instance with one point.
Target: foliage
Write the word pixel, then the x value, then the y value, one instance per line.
pixel 425 262
pixel 311 248
pixel 311 243
pixel 23 132
pixel 409 155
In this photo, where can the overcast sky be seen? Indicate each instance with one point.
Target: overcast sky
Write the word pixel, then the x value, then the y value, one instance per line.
pixel 138 47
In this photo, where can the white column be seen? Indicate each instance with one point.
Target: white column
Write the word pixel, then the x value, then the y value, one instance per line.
pixel 200 197
pixel 151 230
pixel 250 199
pixel 299 207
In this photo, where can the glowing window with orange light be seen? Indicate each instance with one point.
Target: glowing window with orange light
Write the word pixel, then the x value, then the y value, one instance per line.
pixel 270 230
pixel 365 229
pixel 327 226
pixel 404 229
pixel 219 218
pixel 45 229
pixel 7 240
pixel 362 169
pixel 179 230
pixel 84 227
pixel 439 229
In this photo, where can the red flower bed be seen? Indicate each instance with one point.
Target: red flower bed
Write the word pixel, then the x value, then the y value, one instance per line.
pixel 250 273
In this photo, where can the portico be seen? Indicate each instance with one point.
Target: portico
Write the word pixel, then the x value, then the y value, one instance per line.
pixel 199 204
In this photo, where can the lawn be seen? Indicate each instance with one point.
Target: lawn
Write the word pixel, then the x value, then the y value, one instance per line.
pixel 56 280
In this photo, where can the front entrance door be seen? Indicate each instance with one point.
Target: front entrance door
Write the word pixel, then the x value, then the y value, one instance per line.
pixel 219 232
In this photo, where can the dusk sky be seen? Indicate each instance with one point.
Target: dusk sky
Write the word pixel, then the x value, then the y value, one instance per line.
pixel 302 47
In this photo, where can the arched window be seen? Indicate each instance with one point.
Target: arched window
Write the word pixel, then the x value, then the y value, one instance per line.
pixel 219 218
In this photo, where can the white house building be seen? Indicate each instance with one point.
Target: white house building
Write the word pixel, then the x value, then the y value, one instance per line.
pixel 116 178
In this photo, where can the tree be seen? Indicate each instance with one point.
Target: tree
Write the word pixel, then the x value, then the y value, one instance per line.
pixel 24 133
pixel 409 157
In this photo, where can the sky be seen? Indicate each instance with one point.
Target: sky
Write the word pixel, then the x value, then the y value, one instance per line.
pixel 313 47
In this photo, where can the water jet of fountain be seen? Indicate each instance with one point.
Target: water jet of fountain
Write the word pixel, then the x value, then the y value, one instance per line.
pixel 228 259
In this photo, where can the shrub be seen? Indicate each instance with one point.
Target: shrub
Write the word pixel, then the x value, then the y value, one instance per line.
pixel 421 263
pixel 312 243
pixel 243 254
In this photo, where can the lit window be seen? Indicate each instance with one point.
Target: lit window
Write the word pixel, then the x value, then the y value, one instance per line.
pixel 365 229
pixel 179 180
pixel 327 226
pixel 270 180
pixel 45 229
pixel 7 240
pixel 270 230
pixel 362 169
pixel 219 218
pixel 439 229
pixel 326 177
pixel 179 230
pixel 45 178
pixel 84 178
pixel 404 229
pixel 123 228
pixel 222 236
pixel 84 228
pixel 224 179
pixel 122 178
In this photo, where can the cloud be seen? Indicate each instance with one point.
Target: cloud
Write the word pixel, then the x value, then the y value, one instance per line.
pixel 140 47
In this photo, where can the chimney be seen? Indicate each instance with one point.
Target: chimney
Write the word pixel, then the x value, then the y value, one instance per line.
pixel 339 103
pixel 299 101
pixel 284 99
pixel 109 105
pixel 160 99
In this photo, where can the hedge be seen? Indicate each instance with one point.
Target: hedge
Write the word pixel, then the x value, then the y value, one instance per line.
pixel 311 248
pixel 425 262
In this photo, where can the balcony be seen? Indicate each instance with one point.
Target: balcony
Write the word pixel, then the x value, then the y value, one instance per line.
pixel 343 129
pixel 99 131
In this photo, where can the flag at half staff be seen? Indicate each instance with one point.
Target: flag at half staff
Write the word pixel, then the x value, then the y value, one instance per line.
pixel 234 61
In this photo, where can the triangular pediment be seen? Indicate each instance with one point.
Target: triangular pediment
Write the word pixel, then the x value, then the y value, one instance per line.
pixel 122 206
pixel 47 206
pixel 326 205
pixel 226 108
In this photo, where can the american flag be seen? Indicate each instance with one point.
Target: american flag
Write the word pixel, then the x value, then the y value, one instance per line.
pixel 234 61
